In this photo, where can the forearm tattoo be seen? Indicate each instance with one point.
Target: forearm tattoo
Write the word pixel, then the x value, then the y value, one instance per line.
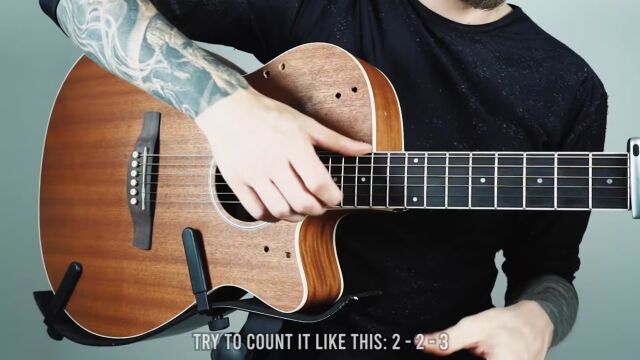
pixel 559 300
pixel 133 41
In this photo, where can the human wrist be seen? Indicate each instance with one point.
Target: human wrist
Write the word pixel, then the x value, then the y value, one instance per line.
pixel 534 320
pixel 223 108
pixel 557 297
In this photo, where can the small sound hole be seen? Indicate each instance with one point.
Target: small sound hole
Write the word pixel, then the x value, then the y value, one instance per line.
pixel 282 66
pixel 266 249
pixel 338 96
pixel 266 74
pixel 354 89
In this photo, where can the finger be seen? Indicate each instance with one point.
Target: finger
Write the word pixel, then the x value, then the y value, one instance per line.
pixel 464 335
pixel 328 139
pixel 250 201
pixel 273 200
pixel 295 218
pixel 296 193
pixel 315 176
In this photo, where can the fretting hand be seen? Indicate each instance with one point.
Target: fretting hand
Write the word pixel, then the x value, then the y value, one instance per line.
pixel 265 151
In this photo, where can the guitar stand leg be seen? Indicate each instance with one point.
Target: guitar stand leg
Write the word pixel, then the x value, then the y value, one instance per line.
pixel 54 306
pixel 200 285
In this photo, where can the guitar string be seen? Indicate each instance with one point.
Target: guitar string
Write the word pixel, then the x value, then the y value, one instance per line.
pixel 488 176
pixel 382 198
pixel 394 155
pixel 465 196
pixel 398 197
pixel 360 165
pixel 365 188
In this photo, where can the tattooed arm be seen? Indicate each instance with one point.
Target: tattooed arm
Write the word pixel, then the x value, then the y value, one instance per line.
pixel 133 41
pixel 264 149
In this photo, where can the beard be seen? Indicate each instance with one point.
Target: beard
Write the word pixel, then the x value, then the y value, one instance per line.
pixel 484 4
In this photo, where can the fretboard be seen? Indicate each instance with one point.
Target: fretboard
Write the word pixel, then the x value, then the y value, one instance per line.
pixel 482 180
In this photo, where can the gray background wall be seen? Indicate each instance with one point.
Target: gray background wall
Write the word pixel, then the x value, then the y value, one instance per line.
pixel 35 56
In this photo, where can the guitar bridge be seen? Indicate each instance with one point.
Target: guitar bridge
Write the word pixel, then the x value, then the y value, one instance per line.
pixel 142 180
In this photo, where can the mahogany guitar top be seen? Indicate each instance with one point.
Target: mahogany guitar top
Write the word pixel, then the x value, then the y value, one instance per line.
pixel 125 291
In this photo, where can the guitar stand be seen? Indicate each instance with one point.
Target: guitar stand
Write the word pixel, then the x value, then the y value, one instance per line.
pixel 261 319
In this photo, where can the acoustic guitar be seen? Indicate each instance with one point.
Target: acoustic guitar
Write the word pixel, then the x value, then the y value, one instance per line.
pixel 123 174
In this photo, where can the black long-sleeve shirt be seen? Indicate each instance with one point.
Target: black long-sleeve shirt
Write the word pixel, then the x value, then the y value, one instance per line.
pixel 503 86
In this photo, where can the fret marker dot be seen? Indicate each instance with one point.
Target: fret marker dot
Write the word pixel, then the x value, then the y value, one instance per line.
pixel 609 181
pixel 483 180
pixel 335 179
pixel 415 199
pixel 539 181
pixel 363 179
pixel 415 161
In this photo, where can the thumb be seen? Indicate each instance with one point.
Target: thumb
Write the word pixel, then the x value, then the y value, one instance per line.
pixel 328 139
pixel 466 334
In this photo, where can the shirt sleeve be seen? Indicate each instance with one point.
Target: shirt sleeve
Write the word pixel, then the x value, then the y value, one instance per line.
pixel 260 27
pixel 49 7
pixel 550 242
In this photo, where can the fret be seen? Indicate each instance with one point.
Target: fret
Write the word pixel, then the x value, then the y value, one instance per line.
pixel 363 181
pixel 335 169
pixel 327 165
pixel 388 183
pixel 495 181
pixel 610 182
pixel 371 180
pixel 555 180
pixel 572 181
pixel 540 181
pixel 446 182
pixel 406 165
pixel 424 188
pixel 355 184
pixel 483 180
pixel 342 182
pixel 590 181
pixel 435 193
pixel 380 180
pixel 397 178
pixel 510 182
pixel 469 181
pixel 415 188
pixel 349 181
pixel 458 180
pixel 524 180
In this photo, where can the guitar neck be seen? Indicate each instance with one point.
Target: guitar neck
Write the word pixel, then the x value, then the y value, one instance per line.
pixel 482 180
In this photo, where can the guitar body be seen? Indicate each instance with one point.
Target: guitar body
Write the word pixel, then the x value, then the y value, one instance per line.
pixel 126 291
